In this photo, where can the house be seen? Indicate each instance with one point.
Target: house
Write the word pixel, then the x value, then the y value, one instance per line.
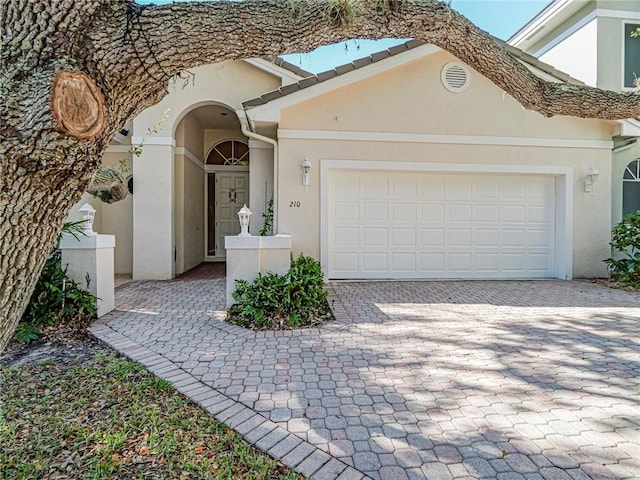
pixel 591 40
pixel 419 168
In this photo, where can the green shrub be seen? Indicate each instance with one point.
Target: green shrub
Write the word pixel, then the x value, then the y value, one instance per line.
pixel 625 239
pixel 276 302
pixel 56 297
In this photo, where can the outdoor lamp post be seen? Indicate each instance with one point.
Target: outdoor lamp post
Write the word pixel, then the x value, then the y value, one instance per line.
pixel 244 215
pixel 88 214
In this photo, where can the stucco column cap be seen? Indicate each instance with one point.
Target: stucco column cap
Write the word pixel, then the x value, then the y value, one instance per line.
pixel 84 242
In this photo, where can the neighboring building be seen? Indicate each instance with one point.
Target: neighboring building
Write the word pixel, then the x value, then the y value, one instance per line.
pixel 591 40
pixel 420 168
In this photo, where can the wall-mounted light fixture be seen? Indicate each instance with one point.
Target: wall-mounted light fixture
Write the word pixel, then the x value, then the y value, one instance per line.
pixel 306 168
pixel 243 216
pixel 88 214
pixel 591 179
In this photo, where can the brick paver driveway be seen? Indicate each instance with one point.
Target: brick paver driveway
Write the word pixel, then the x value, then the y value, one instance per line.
pixel 436 380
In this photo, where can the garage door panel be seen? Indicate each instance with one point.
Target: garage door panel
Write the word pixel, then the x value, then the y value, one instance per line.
pixel 487 237
pixel 375 262
pixel 375 237
pixel 403 262
pixel 375 212
pixel 345 212
pixel 431 212
pixel 435 225
pixel 374 187
pixel 431 237
pixel 460 189
pixel 514 213
pixel 346 262
pixel 537 213
pixel 486 213
pixel 404 237
pixel 432 262
pixel 537 238
pixel 513 188
pixel 459 237
pixel 404 187
pixel 513 238
pixel 460 212
pixel 346 236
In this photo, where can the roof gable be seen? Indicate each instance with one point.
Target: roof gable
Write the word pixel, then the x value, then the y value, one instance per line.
pixel 267 107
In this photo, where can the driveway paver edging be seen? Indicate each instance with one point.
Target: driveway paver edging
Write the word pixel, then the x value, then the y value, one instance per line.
pixel 436 380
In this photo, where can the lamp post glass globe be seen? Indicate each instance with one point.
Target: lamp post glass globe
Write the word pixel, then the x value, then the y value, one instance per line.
pixel 243 215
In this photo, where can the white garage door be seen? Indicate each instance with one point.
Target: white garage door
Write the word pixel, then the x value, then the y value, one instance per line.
pixel 385 224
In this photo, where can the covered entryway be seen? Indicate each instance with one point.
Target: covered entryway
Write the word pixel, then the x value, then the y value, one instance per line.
pixel 433 224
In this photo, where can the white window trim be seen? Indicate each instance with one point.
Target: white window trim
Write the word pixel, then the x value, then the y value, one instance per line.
pixel 563 268
pixel 230 139
pixel 623 52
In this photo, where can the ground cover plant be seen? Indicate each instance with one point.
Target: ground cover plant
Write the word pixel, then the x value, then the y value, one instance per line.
pixel 297 299
pixel 57 299
pixel 106 417
pixel 625 242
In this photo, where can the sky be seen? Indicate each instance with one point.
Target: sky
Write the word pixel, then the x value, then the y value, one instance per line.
pixel 501 18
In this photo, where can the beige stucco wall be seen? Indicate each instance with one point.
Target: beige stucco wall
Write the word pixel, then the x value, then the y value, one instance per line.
pixel 214 136
pixel 411 99
pixel 162 228
pixel 189 216
pixel 227 83
pixel 114 219
pixel 189 134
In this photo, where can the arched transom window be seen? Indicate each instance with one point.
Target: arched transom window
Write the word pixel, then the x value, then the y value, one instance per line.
pixel 631 188
pixel 229 152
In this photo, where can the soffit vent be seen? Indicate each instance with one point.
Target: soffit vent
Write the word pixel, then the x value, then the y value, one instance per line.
pixel 455 77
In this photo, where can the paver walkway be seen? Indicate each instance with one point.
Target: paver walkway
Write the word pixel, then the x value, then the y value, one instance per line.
pixel 435 380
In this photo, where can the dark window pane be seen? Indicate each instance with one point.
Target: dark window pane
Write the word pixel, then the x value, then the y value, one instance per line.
pixel 630 197
pixel 631 55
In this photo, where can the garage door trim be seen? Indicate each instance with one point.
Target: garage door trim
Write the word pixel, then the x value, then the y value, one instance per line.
pixel 563 198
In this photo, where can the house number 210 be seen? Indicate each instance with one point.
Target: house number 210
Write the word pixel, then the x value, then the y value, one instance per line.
pixel 294 204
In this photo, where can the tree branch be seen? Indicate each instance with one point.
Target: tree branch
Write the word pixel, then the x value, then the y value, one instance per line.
pixel 185 35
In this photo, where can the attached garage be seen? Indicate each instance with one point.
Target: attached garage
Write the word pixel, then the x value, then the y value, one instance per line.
pixel 390 224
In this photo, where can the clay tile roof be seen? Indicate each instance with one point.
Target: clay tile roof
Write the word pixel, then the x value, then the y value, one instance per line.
pixel 311 79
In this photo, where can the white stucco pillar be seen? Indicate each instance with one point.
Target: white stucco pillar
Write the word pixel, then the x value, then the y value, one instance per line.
pixel 260 181
pixel 91 255
pixel 153 210
pixel 248 256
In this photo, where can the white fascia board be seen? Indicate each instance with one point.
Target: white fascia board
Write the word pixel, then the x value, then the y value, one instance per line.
pixel 270 112
pixel 583 22
pixel 593 15
pixel 353 136
pixel 285 75
pixel 538 22
pixel 540 74
pixel 630 128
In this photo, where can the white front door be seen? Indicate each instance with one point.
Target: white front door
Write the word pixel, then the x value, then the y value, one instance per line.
pixel 231 193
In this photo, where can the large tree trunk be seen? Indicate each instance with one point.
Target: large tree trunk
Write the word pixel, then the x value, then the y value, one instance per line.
pixel 130 52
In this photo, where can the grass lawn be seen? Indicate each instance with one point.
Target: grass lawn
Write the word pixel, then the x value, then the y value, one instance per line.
pixel 103 417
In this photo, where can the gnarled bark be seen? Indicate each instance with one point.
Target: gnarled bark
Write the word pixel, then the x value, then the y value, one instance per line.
pixel 130 52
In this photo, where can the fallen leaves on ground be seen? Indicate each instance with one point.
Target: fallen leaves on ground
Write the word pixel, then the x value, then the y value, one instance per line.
pixel 105 417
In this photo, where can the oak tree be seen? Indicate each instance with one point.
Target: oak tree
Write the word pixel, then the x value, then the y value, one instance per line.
pixel 73 72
